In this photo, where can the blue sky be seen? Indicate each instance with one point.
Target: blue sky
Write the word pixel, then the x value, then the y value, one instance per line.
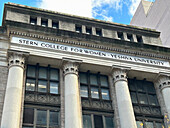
pixel 119 11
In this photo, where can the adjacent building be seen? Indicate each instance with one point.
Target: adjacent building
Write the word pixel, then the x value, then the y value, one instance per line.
pixel 154 15
pixel 65 71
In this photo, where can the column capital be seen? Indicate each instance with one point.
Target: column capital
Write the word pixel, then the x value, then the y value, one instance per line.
pixel 163 81
pixel 71 66
pixel 17 58
pixel 119 73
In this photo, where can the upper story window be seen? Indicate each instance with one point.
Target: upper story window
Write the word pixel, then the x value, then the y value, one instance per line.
pixel 44 23
pixel 139 39
pixel 55 25
pixel 42 79
pixel 33 21
pixel 88 30
pixel 40 118
pixel 98 32
pixel 94 86
pixel 120 35
pixel 78 28
pixel 130 37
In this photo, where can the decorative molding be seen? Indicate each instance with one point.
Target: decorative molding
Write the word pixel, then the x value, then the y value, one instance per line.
pixel 163 81
pixel 70 66
pixel 118 50
pixel 17 58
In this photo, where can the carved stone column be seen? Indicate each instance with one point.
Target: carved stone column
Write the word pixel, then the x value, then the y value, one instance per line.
pixel 73 113
pixel 13 95
pixel 125 109
pixel 163 82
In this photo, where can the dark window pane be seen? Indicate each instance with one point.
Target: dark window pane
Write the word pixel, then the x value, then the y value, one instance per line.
pixel 140 86
pixel 87 121
pixel 78 29
pixel 84 91
pixel 54 118
pixel 31 71
pixel 41 117
pixel 54 87
pixel 153 100
pixel 142 99
pixel 44 23
pixel 139 124
pixel 131 85
pixel 159 125
pixel 150 87
pixel 98 122
pixel 133 97
pixel 42 86
pixel 33 21
pixel 83 78
pixel 104 81
pixel 54 74
pixel 149 124
pixel 54 24
pixel 30 85
pixel 98 32
pixel 93 79
pixel 42 73
pixel 105 94
pixel 109 122
pixel 88 30
pixel 94 93
pixel 28 116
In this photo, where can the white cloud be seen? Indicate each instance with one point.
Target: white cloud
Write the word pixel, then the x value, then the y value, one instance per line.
pixel 75 7
pixel 133 6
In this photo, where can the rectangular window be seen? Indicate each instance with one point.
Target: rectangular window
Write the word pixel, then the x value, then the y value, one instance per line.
pixel 93 80
pixel 42 86
pixel 130 37
pixel 42 73
pixel 31 71
pixel 98 32
pixel 54 74
pixel 54 87
pixel 54 118
pixel 83 78
pixel 55 25
pixel 78 28
pixel 139 39
pixel 105 94
pixel 104 81
pixel 109 122
pixel 44 23
pixel 120 35
pixel 87 123
pixel 142 99
pixel 98 121
pixel 84 91
pixel 149 124
pixel 33 21
pixel 88 30
pixel 139 124
pixel 28 116
pixel 30 85
pixel 41 117
pixel 94 92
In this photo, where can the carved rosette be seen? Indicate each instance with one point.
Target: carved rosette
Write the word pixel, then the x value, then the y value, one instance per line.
pixel 16 58
pixel 163 82
pixel 119 75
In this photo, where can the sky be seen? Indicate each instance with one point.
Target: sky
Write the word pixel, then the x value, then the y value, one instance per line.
pixel 118 11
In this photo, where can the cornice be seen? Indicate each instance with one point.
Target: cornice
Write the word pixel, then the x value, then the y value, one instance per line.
pixel 96 46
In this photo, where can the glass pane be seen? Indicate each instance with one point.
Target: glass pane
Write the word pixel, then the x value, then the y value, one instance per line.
pixel 98 122
pixel 133 97
pixel 54 118
pixel 54 87
pixel 150 87
pixel 93 79
pixel 139 124
pixel 84 91
pixel 42 86
pixel 105 94
pixel 140 86
pixel 42 73
pixel 104 81
pixel 94 93
pixel 159 125
pixel 142 99
pixel 31 71
pixel 131 85
pixel 41 117
pixel 149 124
pixel 83 78
pixel 109 122
pixel 87 121
pixel 153 100
pixel 28 116
pixel 30 85
pixel 54 74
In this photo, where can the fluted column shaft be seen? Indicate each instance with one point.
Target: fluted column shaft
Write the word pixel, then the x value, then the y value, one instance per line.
pixel 73 114
pixel 125 109
pixel 13 95
pixel 163 83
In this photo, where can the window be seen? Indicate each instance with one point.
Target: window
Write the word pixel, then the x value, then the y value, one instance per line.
pixel 42 79
pixel 146 107
pixel 120 35
pixel 98 32
pixel 37 117
pixel 33 21
pixel 130 37
pixel 94 86
pixel 139 39
pixel 55 25
pixel 44 23
pixel 97 121
pixel 78 28
pixel 88 30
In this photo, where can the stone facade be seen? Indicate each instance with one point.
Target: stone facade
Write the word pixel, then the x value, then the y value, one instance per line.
pixel 77 72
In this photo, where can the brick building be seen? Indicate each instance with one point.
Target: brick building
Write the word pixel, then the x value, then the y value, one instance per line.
pixel 64 71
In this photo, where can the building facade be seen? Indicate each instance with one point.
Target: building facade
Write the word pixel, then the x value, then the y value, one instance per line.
pixel 154 15
pixel 64 71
